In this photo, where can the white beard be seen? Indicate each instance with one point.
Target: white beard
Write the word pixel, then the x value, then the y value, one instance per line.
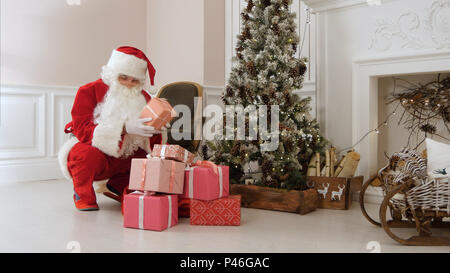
pixel 122 103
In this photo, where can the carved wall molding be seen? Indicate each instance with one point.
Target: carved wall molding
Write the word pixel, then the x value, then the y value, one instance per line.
pixel 413 30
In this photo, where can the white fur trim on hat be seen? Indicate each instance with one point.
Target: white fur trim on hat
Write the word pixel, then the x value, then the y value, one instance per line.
pixel 63 154
pixel 127 64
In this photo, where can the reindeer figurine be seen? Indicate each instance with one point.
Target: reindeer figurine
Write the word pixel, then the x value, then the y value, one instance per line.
pixel 337 193
pixel 324 191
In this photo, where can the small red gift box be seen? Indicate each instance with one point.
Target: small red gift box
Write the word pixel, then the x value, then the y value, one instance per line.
pixel 206 183
pixel 220 212
pixel 152 212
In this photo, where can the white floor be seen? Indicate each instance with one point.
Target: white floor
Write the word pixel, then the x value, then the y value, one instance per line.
pixel 40 217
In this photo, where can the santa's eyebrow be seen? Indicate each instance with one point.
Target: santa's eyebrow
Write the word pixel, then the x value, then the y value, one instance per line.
pixel 123 75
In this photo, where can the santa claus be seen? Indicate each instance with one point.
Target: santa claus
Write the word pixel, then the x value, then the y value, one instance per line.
pixel 106 128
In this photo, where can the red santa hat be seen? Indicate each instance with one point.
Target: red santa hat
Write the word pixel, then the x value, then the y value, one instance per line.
pixel 131 62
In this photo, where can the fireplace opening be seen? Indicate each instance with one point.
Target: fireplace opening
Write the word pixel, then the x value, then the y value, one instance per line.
pixel 395 135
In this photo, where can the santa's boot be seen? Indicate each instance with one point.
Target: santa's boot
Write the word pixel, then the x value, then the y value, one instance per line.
pixel 83 205
pixel 116 185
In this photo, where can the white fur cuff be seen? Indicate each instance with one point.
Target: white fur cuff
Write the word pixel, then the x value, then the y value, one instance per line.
pixel 107 138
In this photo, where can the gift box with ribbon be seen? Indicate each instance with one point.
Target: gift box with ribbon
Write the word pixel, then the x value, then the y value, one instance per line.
pixel 174 152
pixel 160 111
pixel 151 212
pixel 206 181
pixel 157 175
pixel 220 212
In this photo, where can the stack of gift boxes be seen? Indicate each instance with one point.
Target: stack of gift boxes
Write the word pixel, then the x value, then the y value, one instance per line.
pixel 168 185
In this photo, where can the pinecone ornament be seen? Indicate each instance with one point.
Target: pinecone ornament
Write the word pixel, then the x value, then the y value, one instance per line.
pixel 294 47
pixel 251 68
pixel 250 5
pixel 246 34
pixel 229 91
pixel 276 29
pixel 204 151
pixel 265 98
pixel 265 3
pixel 266 167
pixel 235 150
pixel 245 16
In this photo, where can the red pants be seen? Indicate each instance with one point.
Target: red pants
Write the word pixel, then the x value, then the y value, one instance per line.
pixel 87 163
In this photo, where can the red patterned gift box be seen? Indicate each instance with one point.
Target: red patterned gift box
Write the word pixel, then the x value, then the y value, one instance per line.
pixel 220 212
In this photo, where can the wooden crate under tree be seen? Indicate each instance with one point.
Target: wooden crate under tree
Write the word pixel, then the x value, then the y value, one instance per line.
pixel 258 197
pixel 335 192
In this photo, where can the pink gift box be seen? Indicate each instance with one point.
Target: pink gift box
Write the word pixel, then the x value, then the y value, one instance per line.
pixel 152 212
pixel 160 111
pixel 157 175
pixel 175 152
pixel 204 184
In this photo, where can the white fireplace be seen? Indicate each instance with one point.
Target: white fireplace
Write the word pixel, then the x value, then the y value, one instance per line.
pixel 358 43
pixel 366 73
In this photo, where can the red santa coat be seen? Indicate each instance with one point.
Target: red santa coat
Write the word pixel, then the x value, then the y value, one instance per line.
pixel 108 139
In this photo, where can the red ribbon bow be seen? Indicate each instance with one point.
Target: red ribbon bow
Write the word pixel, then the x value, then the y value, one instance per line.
pixel 206 164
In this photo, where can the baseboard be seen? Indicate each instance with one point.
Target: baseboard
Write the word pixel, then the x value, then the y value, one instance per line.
pixel 30 171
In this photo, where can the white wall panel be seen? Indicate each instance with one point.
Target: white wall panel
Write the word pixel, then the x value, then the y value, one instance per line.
pixel 59 118
pixel 22 127
pixel 32 130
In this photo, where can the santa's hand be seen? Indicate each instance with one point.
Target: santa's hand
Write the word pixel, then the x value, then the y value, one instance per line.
pixel 137 127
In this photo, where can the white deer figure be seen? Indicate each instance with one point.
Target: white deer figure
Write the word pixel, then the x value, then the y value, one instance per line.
pixel 324 191
pixel 337 193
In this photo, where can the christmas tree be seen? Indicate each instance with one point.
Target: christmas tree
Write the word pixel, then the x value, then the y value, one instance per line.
pixel 266 72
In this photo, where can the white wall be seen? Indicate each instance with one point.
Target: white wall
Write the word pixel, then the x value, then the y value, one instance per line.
pixel 48 50
pixel 176 40
pixel 214 62
pixel 49 42
pixel 186 41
